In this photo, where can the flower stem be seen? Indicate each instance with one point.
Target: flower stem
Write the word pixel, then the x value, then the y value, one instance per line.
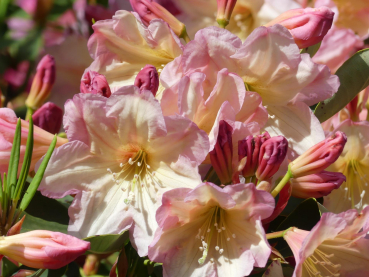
pixel 275 235
pixel 282 183
pixel 29 113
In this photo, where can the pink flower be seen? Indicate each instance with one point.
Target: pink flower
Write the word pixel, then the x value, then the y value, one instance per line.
pixel 214 50
pixel 42 139
pixel 42 83
pixel 122 46
pixel 209 231
pixel 307 26
pixel 336 246
pixel 122 155
pixel 316 185
pixel 320 156
pixel 95 83
pixel 43 249
pixel 49 117
pixel 148 79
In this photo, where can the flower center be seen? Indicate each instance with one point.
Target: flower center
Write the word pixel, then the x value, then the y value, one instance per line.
pixel 136 175
pixel 356 183
pixel 214 224
pixel 319 265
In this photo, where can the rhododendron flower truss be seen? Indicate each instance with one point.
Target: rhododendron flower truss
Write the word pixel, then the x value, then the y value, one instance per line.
pixel 122 46
pixel 270 64
pixel 209 231
pixel 122 155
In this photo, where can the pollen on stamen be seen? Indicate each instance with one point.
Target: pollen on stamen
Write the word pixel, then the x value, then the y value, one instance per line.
pixel 138 163
pixel 217 248
pixel 211 260
pixel 109 170
pixel 228 239
pixel 201 248
pixel 234 236
pixel 130 161
pixel 121 164
pixel 147 166
pixel 221 251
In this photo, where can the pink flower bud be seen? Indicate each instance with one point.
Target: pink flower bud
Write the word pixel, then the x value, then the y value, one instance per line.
pixel 49 117
pixel 248 150
pixel 16 228
pixel 95 83
pixel 42 83
pixel 225 9
pixel 221 155
pixel 148 79
pixel 307 26
pixel 149 10
pixel 272 153
pixel 316 185
pixel 43 249
pixel 320 156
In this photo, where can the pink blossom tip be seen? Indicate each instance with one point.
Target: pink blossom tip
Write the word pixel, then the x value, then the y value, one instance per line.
pixel 248 151
pixel 316 185
pixel 307 26
pixel 43 249
pixel 149 10
pixel 148 79
pixel 49 117
pixel 95 83
pixel 225 9
pixel 42 82
pixel 320 156
pixel 272 153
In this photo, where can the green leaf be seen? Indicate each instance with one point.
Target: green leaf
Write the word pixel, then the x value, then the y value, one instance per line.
pixel 354 77
pixel 32 223
pixel 50 272
pixel 14 161
pixel 26 162
pixel 105 244
pixel 38 177
pixel 322 209
pixel 311 50
pixel 8 268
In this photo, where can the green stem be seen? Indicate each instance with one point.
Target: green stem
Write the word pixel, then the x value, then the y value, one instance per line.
pixel 29 113
pixel 282 183
pixel 275 235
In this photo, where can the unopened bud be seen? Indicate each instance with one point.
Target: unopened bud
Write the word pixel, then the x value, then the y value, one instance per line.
pixel 149 10
pixel 23 273
pixel 272 153
pixel 148 79
pixel 91 265
pixel 49 117
pixel 42 83
pixel 221 155
pixel 95 83
pixel 320 156
pixel 248 153
pixel 316 185
pixel 225 9
pixel 307 26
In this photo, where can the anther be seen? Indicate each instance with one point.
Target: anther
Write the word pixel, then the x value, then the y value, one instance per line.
pixel 221 251
pixel 217 248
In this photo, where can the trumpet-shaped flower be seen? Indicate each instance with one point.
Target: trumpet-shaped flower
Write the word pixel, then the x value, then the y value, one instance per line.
pixel 209 231
pixel 43 249
pixel 122 155
pixel 354 164
pixel 41 139
pixel 336 246
pixel 122 46
pixel 270 64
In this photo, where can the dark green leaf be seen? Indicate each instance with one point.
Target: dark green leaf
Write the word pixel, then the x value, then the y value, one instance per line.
pixel 14 161
pixel 37 179
pixel 311 50
pixel 354 77
pixel 35 223
pixel 107 243
pixel 8 268
pixel 322 209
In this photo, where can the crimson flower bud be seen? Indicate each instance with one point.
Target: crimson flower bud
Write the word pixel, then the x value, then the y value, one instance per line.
pixel 95 83
pixel 272 153
pixel 43 249
pixel 149 10
pixel 316 185
pixel 221 155
pixel 42 83
pixel 248 151
pixel 320 156
pixel 148 79
pixel 49 117
pixel 307 26
pixel 225 9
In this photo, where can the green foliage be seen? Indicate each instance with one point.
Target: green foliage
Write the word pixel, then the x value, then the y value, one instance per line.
pixel 105 244
pixel 311 50
pixel 354 77
pixel 8 268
